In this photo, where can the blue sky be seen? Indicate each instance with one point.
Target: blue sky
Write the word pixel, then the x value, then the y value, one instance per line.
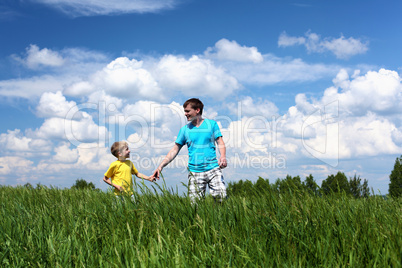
pixel 298 87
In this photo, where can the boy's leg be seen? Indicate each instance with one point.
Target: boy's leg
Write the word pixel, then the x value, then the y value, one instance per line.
pixel 216 184
pixel 197 185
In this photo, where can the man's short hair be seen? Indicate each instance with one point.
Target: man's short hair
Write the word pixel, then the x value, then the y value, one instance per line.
pixel 117 147
pixel 195 104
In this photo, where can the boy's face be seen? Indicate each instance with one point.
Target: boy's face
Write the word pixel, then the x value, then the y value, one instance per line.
pixel 125 152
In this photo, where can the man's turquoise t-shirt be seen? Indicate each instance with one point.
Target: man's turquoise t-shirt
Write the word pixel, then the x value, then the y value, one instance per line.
pixel 201 145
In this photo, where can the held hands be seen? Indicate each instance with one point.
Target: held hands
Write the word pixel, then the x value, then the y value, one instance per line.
pixel 151 179
pixel 157 173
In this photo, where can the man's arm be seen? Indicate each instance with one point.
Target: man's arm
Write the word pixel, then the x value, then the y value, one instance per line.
pixel 168 158
pixel 222 150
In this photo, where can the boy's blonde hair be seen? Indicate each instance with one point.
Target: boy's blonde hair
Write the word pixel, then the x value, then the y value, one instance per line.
pixel 117 147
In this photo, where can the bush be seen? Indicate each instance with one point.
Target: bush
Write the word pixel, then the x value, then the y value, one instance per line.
pixel 81 184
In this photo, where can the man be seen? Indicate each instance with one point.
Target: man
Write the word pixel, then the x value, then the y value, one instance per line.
pixel 200 136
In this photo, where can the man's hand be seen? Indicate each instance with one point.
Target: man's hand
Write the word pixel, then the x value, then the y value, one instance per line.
pixel 222 162
pixel 157 173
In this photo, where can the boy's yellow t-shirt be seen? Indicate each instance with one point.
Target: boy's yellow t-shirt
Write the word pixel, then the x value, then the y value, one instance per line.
pixel 120 173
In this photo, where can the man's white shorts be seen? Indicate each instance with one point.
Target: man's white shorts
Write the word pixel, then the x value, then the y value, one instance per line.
pixel 198 181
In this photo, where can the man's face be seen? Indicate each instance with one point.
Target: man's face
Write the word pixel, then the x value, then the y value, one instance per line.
pixel 191 113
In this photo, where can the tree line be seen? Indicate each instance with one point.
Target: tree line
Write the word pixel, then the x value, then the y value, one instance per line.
pixel 339 183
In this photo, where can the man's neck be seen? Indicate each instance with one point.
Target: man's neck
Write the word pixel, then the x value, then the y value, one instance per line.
pixel 197 121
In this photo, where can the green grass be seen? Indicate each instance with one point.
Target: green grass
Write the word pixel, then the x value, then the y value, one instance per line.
pixel 51 227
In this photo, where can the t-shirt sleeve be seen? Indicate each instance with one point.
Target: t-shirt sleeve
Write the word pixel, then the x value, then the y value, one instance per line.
pixel 133 169
pixel 181 138
pixel 109 173
pixel 216 131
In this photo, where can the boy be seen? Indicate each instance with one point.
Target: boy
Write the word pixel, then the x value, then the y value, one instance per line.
pixel 119 173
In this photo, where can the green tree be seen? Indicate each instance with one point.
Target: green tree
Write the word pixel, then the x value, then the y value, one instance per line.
pixel 357 189
pixel 365 192
pixel 82 184
pixel 289 184
pixel 395 186
pixel 28 186
pixel 335 184
pixel 311 186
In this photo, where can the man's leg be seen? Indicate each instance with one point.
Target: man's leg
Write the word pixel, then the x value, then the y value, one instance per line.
pixel 216 184
pixel 197 185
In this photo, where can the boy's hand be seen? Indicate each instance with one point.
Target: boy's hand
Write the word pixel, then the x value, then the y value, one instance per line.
pixel 151 179
pixel 120 188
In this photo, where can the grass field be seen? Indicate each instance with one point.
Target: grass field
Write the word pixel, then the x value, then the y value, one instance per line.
pixel 49 227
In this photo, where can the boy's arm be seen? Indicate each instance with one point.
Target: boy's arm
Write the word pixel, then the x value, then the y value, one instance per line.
pixel 109 181
pixel 222 150
pixel 145 177
pixel 168 158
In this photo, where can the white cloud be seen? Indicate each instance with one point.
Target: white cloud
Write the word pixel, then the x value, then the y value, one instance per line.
pixel 33 87
pixel 15 142
pixel 158 79
pixel 74 131
pixel 345 48
pixel 275 70
pixel 54 105
pixel 82 88
pixel 350 124
pixel 397 135
pixel 257 107
pixel 95 157
pixel 77 64
pixel 155 113
pixel 36 58
pixel 14 165
pixel 65 155
pixel 122 78
pixel 160 123
pixel 342 47
pixel 379 92
pixel 195 76
pixel 368 135
pixel 87 156
pixel 78 8
pixel 286 40
pixel 359 113
pixel 130 79
pixel 232 51
pixel 112 105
